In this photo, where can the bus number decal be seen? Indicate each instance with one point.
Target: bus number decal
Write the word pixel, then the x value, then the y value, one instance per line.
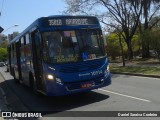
pixel 53 22
pixel 94 73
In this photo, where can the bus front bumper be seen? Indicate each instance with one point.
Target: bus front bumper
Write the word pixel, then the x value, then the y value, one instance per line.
pixel 57 89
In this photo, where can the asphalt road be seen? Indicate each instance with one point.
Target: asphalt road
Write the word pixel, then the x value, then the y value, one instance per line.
pixel 126 93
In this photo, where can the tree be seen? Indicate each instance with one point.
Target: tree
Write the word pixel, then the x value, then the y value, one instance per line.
pixel 3 55
pixel 155 44
pixel 115 45
pixel 136 45
pixel 150 10
pixel 118 14
pixel 4 44
pixel 120 46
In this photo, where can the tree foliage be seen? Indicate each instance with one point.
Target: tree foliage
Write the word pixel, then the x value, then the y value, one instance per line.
pixel 3 54
pixel 4 44
pixel 155 44
pixel 114 48
pixel 150 11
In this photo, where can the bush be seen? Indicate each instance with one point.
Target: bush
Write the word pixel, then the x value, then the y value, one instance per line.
pixel 114 49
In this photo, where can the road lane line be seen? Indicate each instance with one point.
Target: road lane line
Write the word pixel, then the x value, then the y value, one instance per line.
pixel 145 100
pixel 147 77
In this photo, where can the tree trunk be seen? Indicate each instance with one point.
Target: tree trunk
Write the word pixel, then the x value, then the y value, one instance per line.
pixel 130 51
pixel 145 50
pixel 145 43
pixel 123 58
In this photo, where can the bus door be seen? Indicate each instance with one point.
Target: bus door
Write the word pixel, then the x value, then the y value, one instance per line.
pixel 37 58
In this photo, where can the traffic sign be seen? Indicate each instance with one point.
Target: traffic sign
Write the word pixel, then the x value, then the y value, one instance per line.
pixel 1 29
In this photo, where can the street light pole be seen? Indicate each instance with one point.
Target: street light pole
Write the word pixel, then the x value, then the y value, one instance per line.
pixel 10 28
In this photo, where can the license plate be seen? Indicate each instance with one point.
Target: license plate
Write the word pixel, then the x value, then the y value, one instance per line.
pixel 87 85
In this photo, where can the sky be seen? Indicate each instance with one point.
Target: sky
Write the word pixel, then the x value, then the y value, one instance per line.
pixel 24 12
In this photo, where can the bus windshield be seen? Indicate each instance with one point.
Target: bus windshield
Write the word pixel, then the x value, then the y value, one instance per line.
pixel 72 45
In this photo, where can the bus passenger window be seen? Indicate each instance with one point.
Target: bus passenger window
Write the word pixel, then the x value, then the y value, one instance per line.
pixel 54 46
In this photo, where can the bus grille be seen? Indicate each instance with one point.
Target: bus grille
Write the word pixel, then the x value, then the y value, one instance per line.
pixel 81 67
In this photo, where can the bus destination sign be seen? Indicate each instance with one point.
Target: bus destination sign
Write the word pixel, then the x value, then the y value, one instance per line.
pixel 69 21
pixel 54 22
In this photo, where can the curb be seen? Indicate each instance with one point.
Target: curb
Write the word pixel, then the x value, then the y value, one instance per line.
pixel 141 75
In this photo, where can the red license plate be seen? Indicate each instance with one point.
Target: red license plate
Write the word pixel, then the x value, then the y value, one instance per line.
pixel 87 85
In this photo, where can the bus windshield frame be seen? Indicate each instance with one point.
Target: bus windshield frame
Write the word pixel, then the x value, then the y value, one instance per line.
pixel 72 45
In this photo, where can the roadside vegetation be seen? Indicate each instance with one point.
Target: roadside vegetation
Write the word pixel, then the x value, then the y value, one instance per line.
pixel 140 66
pixel 3 50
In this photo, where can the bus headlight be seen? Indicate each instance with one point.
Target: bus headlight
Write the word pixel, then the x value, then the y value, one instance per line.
pixel 106 71
pixel 107 67
pixel 50 77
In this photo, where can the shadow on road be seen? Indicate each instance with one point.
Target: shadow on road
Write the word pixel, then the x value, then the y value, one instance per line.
pixel 21 98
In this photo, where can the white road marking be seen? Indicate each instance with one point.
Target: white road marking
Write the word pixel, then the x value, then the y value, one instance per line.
pixel 147 77
pixel 140 77
pixel 125 95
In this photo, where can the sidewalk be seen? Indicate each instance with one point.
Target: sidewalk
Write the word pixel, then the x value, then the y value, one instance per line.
pixel 3 102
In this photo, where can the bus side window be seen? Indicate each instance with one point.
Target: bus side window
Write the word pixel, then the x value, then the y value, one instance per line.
pixel 28 49
pixel 22 42
pixel 22 46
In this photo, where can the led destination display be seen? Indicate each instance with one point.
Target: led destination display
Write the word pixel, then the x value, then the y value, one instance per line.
pixel 69 21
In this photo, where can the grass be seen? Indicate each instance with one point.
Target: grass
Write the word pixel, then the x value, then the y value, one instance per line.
pixel 144 68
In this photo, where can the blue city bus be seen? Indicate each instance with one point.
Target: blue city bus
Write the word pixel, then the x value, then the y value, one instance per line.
pixel 60 55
